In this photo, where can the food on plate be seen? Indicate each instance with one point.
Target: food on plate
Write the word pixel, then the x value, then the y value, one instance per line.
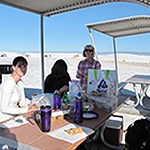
pixel 74 131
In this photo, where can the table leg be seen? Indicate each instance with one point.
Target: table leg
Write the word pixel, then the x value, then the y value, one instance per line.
pixel 143 92
pixel 148 96
pixel 137 95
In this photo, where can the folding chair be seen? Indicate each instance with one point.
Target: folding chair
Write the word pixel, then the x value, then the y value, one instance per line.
pixel 5 69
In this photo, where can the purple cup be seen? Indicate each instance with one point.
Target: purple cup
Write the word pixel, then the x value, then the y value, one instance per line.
pixel 45 118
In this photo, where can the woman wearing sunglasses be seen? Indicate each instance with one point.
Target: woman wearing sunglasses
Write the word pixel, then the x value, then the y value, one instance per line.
pixel 88 63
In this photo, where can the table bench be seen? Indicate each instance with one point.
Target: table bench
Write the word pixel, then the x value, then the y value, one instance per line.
pixel 121 85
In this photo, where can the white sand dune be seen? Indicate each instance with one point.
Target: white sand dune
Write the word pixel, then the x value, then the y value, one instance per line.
pixel 128 64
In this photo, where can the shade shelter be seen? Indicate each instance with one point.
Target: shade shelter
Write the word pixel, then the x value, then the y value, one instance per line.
pixel 52 7
pixel 121 27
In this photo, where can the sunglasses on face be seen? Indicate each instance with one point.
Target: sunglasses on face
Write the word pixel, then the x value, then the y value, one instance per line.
pixel 88 50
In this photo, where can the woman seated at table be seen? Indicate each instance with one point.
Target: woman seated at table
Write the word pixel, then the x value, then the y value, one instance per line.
pixel 58 79
pixel 12 100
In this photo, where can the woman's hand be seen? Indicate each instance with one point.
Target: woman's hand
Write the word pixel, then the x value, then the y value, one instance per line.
pixel 64 89
pixel 33 108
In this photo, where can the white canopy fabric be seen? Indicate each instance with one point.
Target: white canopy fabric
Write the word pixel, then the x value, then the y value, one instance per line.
pixel 51 7
pixel 123 27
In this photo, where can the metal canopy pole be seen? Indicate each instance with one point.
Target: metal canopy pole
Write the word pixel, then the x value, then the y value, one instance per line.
pixel 92 39
pixel 42 52
pixel 116 67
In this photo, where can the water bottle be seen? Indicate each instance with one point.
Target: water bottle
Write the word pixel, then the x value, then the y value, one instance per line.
pixel 78 109
pixel 57 101
pixel 65 98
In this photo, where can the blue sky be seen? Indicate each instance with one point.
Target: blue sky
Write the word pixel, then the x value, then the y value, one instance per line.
pixel 66 32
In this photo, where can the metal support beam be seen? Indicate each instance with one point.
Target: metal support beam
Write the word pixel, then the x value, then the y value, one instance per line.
pixel 42 52
pixel 116 66
pixel 92 40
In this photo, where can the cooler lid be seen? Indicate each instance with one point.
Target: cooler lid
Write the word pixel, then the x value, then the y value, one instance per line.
pixel 115 122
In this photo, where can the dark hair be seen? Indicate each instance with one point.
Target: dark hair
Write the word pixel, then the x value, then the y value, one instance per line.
pixel 137 136
pixel 60 68
pixel 20 62
pixel 88 47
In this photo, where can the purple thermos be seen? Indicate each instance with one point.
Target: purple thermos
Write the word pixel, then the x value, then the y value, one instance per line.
pixel 57 101
pixel 78 110
pixel 45 118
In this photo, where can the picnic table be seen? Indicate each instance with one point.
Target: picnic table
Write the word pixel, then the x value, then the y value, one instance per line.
pixel 143 81
pixel 30 136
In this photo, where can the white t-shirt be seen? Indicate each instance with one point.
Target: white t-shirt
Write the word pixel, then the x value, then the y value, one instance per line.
pixel 12 94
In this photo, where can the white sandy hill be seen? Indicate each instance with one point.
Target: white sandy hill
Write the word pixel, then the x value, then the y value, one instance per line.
pixel 128 64
pixel 126 58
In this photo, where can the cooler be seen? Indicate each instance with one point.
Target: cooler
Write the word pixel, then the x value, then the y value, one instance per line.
pixel 114 130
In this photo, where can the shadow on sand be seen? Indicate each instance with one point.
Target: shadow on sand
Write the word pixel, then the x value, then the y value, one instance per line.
pixel 129 107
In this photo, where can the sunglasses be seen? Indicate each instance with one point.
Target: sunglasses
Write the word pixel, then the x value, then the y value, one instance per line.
pixel 88 50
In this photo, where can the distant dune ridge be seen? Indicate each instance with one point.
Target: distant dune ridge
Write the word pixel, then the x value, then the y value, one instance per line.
pixel 128 64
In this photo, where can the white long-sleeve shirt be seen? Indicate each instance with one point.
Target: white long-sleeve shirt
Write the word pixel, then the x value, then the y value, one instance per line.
pixel 12 94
